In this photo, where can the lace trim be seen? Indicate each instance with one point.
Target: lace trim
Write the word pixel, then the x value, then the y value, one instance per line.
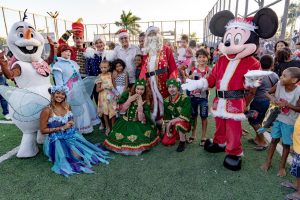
pixel 62 119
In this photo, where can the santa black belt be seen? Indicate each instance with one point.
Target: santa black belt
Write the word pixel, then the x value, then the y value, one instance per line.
pixel 231 94
pixel 156 72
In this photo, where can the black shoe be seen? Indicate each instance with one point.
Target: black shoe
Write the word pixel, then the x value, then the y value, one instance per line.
pixel 232 162
pixel 213 147
pixel 181 147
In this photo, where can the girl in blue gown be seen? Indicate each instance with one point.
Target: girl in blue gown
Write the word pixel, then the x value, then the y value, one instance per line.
pixel 70 152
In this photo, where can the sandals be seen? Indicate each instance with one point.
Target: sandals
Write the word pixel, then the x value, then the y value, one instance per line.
pixel 190 140
pixel 293 196
pixel 288 184
pixel 202 142
pixel 260 148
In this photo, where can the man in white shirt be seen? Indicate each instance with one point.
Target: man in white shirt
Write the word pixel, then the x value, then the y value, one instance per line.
pixel 127 53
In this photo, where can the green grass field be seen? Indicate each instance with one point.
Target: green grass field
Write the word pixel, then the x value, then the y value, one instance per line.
pixel 161 173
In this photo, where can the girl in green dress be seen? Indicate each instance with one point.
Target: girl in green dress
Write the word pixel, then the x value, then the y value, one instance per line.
pixel 134 132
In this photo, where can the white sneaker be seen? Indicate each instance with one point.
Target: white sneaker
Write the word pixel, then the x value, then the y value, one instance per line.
pixel 7 117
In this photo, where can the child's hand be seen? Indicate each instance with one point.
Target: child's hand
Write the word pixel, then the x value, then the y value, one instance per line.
pixel 282 103
pixel 132 98
pixel 273 100
pixel 114 74
pixel 3 60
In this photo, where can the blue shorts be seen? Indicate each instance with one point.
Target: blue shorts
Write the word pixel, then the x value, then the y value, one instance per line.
pixel 202 103
pixel 284 131
pixel 261 106
pixel 295 168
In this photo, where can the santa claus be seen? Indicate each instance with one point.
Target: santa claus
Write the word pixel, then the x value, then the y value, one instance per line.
pixel 158 66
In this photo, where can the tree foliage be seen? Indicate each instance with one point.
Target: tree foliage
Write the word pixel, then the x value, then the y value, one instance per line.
pixel 129 22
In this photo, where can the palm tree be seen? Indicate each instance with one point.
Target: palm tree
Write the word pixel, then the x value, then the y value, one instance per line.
pixel 129 22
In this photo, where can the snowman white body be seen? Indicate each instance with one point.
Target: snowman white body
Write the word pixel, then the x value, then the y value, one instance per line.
pixel 34 82
pixel 27 47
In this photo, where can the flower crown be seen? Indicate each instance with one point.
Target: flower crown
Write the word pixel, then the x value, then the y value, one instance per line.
pixel 141 82
pixel 172 81
pixel 59 88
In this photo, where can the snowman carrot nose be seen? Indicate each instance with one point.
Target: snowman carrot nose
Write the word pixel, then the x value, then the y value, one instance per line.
pixel 27 33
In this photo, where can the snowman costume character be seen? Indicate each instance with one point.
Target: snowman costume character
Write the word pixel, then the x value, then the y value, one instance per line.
pixel 30 72
pixel 235 72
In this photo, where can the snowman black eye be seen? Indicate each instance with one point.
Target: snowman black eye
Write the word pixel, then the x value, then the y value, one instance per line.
pixel 20 34
pixel 31 34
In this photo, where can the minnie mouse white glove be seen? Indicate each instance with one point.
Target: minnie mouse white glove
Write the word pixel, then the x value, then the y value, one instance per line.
pixel 253 78
pixel 195 84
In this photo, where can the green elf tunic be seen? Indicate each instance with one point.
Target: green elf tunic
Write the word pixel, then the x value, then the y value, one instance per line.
pixel 180 108
pixel 130 136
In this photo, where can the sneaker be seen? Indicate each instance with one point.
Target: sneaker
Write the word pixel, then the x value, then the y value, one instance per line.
pixel 181 147
pixel 7 117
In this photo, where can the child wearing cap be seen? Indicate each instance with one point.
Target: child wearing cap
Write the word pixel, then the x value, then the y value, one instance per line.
pixel 66 73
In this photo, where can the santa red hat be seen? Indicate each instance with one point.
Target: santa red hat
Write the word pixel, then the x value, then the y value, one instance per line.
pixel 244 23
pixel 78 27
pixel 123 33
pixel 62 48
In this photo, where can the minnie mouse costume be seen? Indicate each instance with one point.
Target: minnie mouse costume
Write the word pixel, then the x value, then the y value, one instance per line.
pixel 231 77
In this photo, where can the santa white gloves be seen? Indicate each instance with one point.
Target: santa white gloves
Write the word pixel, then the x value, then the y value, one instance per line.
pixel 195 84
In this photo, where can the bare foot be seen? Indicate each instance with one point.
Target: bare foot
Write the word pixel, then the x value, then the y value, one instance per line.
pixel 281 173
pixel 107 131
pixel 266 166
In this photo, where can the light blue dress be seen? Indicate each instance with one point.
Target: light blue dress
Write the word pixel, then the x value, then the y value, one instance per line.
pixel 66 72
pixel 69 151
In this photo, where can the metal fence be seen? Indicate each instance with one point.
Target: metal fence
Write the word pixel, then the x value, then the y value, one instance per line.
pixel 171 30
pixel 240 8
pixel 42 23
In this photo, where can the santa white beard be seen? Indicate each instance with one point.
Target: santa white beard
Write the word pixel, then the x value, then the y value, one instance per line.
pixel 153 44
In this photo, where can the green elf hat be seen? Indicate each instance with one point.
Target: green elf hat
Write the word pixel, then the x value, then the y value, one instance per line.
pixel 172 81
pixel 141 82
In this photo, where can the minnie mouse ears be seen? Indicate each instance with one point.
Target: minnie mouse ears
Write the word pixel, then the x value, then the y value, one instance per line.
pixel 264 23
pixel 267 22
pixel 219 21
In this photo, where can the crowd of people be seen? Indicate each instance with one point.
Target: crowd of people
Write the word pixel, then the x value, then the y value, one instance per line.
pixel 140 102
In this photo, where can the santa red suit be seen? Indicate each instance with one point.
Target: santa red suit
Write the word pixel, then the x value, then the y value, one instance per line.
pixel 228 76
pixel 157 69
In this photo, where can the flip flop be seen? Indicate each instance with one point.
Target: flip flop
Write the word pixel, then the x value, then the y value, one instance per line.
pixel 190 140
pixel 288 184
pixel 260 148
pixel 202 142
pixel 293 196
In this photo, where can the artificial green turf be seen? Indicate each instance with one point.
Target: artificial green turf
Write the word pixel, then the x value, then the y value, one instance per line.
pixel 161 173
pixel 10 137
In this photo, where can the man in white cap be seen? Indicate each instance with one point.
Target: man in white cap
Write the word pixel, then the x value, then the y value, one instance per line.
pixel 127 53
pixel 159 65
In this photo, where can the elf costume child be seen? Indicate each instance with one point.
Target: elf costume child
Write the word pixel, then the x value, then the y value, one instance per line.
pixel 134 132
pixel 177 116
